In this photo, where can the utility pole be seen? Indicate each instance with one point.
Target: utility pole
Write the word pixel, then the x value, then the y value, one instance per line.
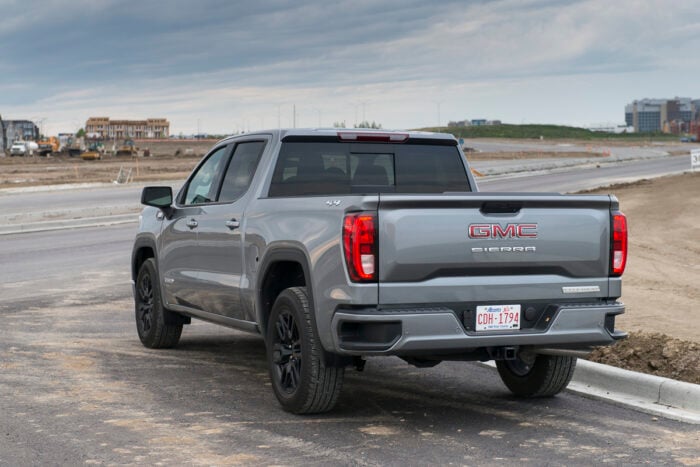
pixel 3 135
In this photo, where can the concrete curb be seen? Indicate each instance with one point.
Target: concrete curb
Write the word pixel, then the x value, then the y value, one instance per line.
pixel 664 397
pixel 651 394
pixel 64 224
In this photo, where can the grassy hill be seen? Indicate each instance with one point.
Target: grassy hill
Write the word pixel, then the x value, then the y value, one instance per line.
pixel 545 131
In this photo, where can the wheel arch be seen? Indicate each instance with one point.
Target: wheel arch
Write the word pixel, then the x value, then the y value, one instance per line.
pixel 282 267
pixel 144 248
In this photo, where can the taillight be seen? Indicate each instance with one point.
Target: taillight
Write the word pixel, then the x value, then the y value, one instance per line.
pixel 618 247
pixel 360 245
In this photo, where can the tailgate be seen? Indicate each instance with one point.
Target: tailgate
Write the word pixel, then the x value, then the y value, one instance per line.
pixel 493 246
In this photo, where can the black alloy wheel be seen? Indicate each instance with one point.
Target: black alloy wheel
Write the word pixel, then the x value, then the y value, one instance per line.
pixel 520 366
pixel 286 352
pixel 157 327
pixel 144 304
pixel 301 380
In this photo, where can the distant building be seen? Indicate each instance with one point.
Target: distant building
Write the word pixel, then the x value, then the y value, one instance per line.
pixel 666 115
pixel 104 128
pixel 21 130
pixel 18 130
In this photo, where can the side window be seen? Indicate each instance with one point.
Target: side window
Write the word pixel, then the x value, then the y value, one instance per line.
pixel 240 170
pixel 203 186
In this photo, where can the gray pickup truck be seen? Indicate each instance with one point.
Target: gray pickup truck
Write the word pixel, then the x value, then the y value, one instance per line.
pixel 338 245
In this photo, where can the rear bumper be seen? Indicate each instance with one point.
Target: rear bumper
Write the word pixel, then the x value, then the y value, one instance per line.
pixel 432 331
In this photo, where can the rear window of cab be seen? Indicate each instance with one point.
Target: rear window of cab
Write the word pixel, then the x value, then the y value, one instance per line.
pixel 308 168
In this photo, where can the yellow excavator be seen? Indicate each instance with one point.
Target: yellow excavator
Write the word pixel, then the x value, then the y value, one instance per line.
pixel 48 146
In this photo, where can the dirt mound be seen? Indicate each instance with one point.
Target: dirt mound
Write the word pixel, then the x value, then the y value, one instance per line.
pixel 654 354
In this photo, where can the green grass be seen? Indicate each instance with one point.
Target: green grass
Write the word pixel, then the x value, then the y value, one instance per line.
pixel 547 132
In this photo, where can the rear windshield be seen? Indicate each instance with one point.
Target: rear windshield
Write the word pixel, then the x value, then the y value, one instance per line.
pixel 329 168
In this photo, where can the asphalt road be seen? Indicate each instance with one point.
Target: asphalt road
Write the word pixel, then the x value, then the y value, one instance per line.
pixel 77 387
pixel 571 180
pixel 623 152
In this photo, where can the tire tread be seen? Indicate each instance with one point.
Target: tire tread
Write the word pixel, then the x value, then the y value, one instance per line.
pixel 324 383
pixel 549 376
pixel 164 335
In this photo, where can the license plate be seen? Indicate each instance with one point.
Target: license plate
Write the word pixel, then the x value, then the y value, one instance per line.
pixel 497 317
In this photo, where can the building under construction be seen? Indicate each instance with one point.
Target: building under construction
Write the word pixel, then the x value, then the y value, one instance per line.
pixel 104 128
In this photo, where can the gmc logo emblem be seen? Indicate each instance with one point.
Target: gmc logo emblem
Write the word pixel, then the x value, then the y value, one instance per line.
pixel 495 231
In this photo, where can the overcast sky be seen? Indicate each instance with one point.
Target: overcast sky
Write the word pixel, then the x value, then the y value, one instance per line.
pixel 224 66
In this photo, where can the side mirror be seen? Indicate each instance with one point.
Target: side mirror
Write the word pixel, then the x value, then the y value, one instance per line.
pixel 157 196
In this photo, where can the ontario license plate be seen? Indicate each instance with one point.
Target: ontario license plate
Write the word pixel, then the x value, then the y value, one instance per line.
pixel 497 317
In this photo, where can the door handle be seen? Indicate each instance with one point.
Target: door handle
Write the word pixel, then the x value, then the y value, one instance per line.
pixel 233 224
pixel 192 223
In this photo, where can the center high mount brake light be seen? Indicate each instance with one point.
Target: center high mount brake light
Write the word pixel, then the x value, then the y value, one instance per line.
pixel 373 137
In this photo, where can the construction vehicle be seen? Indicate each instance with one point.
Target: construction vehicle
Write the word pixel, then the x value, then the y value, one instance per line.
pixel 76 146
pixel 94 152
pixel 127 149
pixel 23 148
pixel 48 146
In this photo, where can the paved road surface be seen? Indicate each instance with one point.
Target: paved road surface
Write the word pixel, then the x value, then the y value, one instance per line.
pixel 624 152
pixel 572 180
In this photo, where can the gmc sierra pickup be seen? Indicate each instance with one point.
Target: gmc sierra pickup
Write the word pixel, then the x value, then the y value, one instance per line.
pixel 338 245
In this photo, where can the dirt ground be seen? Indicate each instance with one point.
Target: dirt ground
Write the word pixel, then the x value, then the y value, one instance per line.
pixel 660 284
pixel 31 171
pixel 168 160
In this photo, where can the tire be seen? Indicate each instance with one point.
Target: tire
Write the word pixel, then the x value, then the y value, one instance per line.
pixel 541 376
pixel 151 316
pixel 301 381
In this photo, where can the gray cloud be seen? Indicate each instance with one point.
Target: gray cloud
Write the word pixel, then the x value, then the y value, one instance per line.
pixel 103 55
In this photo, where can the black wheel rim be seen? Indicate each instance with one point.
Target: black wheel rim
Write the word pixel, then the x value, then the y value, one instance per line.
pixel 145 305
pixel 286 353
pixel 520 366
